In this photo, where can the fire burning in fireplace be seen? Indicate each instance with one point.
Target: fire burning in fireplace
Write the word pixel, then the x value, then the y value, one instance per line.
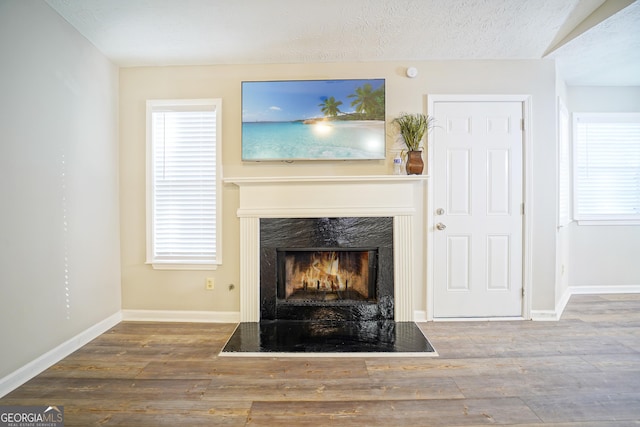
pixel 327 274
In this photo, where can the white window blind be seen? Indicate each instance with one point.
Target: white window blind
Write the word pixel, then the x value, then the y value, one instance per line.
pixel 183 202
pixel 607 167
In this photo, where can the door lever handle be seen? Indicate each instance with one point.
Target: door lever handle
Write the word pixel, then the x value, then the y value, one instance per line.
pixel 440 226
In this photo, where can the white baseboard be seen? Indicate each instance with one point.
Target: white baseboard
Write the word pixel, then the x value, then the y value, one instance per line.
pixel 550 315
pixel 617 289
pixel 419 316
pixel 181 316
pixel 33 368
pixel 545 315
pixel 564 300
pixel 553 315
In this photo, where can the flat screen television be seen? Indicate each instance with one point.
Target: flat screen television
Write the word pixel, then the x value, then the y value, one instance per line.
pixel 313 120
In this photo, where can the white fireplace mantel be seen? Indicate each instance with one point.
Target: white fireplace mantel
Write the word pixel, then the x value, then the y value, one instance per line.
pixel 325 178
pixel 398 196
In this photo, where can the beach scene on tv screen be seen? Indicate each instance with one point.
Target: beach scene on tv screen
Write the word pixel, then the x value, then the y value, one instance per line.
pixel 313 119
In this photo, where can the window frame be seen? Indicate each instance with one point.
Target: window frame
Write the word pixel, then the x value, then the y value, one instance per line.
pixel 597 219
pixel 565 162
pixel 209 104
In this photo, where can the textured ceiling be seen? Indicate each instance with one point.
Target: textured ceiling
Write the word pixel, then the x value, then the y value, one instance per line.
pixel 188 32
pixel 608 52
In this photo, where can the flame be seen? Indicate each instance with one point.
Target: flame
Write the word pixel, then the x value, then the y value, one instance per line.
pixel 325 270
pixel 325 273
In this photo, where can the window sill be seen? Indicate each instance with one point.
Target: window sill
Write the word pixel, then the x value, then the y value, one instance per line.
pixel 608 222
pixel 185 267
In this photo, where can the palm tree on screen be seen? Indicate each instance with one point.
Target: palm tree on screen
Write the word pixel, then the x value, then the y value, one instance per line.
pixel 330 107
pixel 368 102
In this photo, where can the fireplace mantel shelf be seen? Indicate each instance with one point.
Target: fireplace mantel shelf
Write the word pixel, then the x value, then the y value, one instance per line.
pixel 239 181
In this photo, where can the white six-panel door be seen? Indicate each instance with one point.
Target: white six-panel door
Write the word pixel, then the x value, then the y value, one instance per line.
pixel 478 217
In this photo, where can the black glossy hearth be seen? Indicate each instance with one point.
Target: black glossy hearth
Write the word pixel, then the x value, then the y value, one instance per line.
pixel 303 337
pixel 327 287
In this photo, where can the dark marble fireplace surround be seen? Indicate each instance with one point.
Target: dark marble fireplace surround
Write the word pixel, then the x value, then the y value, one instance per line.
pixel 330 233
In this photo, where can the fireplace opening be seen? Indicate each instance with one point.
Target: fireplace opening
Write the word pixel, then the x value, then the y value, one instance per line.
pixel 337 269
pixel 327 275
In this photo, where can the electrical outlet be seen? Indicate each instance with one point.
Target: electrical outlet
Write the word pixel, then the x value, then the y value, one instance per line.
pixel 209 284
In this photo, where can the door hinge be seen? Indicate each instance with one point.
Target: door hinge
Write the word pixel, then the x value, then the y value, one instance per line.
pixel 522 209
pixel 522 292
pixel 522 125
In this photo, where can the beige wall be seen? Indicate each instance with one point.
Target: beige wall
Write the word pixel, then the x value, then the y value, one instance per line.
pixel 604 255
pixel 144 288
pixel 562 231
pixel 59 223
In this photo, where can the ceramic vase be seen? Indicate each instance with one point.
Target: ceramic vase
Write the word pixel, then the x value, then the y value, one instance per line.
pixel 415 164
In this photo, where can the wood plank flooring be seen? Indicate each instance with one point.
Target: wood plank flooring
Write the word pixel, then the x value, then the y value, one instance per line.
pixel 581 371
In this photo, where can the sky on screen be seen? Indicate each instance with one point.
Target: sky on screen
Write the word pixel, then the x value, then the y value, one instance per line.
pixel 282 101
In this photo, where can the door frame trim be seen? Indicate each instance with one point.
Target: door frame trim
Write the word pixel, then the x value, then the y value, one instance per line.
pixel 527 170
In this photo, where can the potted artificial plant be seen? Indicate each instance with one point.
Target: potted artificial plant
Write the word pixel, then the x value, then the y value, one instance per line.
pixel 413 128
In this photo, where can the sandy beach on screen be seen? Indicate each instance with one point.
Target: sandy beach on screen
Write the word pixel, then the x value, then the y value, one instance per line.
pixel 369 124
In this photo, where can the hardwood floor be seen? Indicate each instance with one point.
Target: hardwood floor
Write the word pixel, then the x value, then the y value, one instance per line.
pixel 581 371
